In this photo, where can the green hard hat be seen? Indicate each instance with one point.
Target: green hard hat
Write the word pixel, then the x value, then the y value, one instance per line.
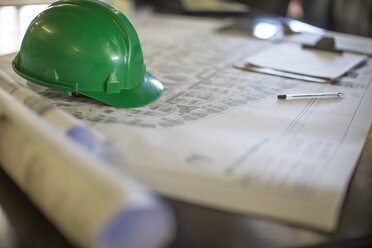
pixel 87 47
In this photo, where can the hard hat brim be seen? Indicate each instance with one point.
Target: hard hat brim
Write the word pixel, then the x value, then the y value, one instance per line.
pixel 145 93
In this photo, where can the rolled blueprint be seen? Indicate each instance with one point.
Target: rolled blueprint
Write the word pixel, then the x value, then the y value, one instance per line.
pixel 72 127
pixel 92 203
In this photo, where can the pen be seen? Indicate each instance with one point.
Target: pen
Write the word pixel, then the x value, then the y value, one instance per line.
pixel 326 94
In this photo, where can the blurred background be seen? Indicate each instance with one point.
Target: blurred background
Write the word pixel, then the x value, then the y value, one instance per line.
pixel 348 16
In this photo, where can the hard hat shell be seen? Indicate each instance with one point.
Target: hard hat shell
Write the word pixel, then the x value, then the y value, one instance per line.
pixel 87 47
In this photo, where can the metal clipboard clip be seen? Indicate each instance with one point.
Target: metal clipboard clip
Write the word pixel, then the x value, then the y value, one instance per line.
pixel 324 44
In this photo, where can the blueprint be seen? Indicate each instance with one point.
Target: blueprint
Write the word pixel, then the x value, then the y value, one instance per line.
pixel 218 136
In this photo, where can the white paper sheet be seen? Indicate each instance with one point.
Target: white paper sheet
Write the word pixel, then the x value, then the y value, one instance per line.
pixel 218 136
pixel 291 57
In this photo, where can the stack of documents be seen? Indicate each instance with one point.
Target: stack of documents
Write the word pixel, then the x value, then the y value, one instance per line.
pixel 292 60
